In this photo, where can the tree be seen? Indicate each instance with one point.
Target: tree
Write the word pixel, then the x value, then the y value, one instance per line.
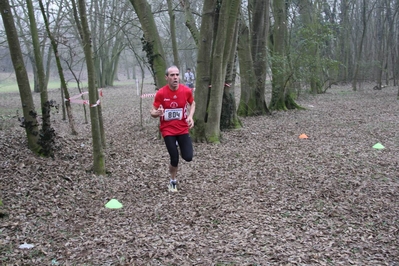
pixel 360 48
pixel 226 25
pixel 247 103
pixel 151 41
pixel 254 60
pixel 47 132
pixel 229 118
pixel 203 80
pixel 190 21
pixel 281 99
pixel 173 34
pixel 279 59
pixel 98 147
pixel 107 24
pixel 218 29
pixel 310 25
pixel 64 88
pixel 30 116
pixel 25 33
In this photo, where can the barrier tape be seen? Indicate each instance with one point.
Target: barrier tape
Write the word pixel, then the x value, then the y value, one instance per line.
pixel 148 95
pixel 74 99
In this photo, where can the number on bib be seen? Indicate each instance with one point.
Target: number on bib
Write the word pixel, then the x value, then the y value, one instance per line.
pixel 173 114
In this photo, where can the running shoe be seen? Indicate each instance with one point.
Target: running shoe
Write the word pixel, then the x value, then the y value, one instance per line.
pixel 172 186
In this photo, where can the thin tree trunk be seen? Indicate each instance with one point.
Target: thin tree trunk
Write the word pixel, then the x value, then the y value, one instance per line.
pixel 172 19
pixel 360 48
pixel 190 21
pixel 98 151
pixel 64 87
pixel 47 133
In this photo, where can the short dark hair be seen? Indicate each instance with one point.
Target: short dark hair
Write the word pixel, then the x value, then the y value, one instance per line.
pixel 189 68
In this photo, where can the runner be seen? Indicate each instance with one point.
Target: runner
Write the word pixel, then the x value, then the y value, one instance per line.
pixel 175 106
pixel 189 79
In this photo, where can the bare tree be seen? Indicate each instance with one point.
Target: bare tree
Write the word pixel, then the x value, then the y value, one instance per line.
pixel 64 88
pixel 151 41
pixel 98 147
pixel 47 132
pixel 29 121
pixel 254 59
pixel 173 34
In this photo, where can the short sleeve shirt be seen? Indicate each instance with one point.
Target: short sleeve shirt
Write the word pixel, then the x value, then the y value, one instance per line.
pixel 174 103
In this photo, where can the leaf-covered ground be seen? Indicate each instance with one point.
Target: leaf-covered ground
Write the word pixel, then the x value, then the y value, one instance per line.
pixel 262 197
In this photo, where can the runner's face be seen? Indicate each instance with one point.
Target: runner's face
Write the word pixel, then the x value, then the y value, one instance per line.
pixel 173 78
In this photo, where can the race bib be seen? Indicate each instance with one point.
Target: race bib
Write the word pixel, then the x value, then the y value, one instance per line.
pixel 173 114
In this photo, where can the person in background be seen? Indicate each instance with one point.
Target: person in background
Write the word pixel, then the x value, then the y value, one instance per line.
pixel 189 78
pixel 175 106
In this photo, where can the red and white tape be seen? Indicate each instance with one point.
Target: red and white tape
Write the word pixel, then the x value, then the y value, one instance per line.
pixel 74 99
pixel 148 95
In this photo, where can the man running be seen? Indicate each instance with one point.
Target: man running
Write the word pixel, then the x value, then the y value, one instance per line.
pixel 175 106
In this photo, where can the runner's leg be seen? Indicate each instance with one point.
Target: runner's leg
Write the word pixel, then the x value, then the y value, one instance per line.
pixel 186 147
pixel 170 142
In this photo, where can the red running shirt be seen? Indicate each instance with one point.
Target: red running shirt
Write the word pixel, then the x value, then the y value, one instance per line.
pixel 174 103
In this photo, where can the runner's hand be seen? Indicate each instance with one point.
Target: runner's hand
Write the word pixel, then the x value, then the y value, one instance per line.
pixel 190 122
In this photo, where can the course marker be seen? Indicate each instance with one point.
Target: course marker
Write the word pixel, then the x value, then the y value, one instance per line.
pixel 303 136
pixel 378 146
pixel 113 204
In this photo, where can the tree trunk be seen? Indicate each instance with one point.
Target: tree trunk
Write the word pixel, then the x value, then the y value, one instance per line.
pixel 47 133
pixel 24 34
pixel 173 34
pixel 204 70
pixel 64 87
pixel 344 44
pixel 190 21
pixel 253 60
pixel 279 64
pixel 98 151
pixel 259 36
pixel 360 48
pixel 151 41
pixel 306 10
pixel 229 118
pixel 30 117
pixel 225 33
pixel 247 105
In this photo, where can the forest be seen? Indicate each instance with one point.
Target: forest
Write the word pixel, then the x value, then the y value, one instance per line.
pixel 295 138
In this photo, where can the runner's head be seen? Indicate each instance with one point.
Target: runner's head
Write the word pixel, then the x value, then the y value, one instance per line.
pixel 172 77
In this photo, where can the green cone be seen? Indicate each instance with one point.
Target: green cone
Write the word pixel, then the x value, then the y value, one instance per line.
pixel 113 204
pixel 378 146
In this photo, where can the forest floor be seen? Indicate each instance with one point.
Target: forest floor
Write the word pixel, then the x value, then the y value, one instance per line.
pixel 261 197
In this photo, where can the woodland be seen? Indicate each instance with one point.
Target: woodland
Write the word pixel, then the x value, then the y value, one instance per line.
pixel 295 136
pixel 263 196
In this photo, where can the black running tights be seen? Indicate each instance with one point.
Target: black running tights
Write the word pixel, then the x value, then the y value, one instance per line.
pixel 186 148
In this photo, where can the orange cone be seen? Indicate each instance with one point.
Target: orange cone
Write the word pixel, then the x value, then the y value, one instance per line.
pixel 303 136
